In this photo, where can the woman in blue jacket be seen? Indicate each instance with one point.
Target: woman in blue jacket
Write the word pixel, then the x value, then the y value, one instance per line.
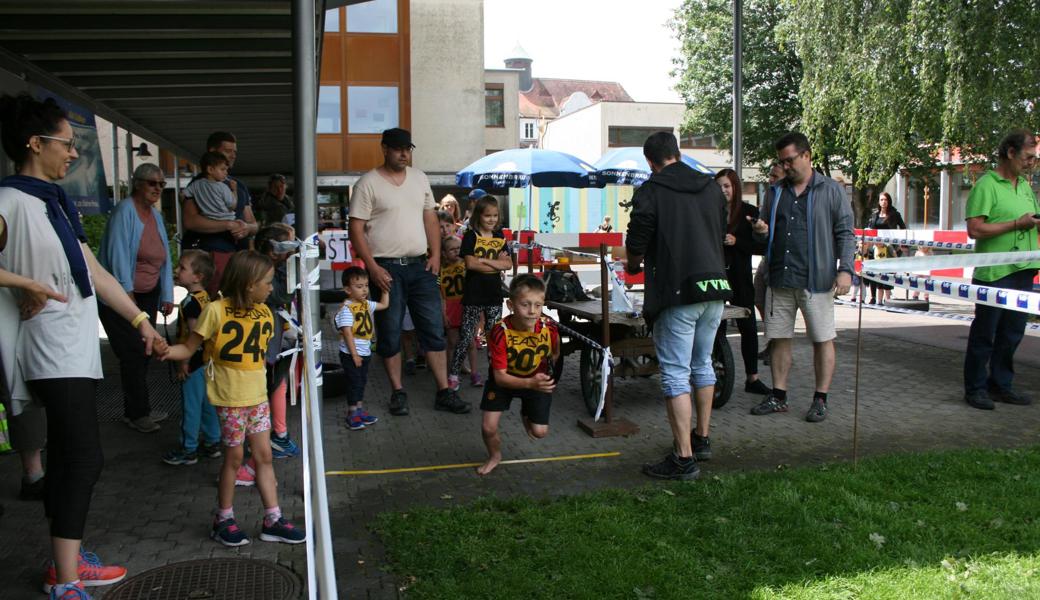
pixel 136 251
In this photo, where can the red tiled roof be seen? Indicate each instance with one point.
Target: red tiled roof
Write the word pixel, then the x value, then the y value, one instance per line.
pixel 548 95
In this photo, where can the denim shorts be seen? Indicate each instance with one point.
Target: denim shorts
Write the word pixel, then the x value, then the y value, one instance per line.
pixel 415 287
pixel 684 336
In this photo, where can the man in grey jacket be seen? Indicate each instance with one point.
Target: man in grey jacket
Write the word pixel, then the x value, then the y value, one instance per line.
pixel 808 225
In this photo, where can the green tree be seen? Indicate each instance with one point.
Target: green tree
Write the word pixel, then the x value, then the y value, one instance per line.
pixel 894 81
pixel 704 70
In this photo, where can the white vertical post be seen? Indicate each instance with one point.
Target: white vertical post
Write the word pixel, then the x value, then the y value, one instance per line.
pixel 129 163
pixel 115 165
pixel 177 197
pixel 321 571
pixel 901 194
pixel 944 190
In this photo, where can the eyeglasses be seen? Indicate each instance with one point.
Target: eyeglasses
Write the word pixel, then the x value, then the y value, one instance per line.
pixel 70 143
pixel 787 162
pixel 153 183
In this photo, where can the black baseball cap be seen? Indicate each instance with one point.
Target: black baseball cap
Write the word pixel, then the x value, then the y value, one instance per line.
pixel 276 177
pixel 397 138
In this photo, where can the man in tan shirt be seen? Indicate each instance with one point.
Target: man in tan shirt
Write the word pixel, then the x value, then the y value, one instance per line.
pixel 394 230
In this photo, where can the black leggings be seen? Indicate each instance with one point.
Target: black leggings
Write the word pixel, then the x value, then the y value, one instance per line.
pixel 74 458
pixel 470 320
pixel 128 347
pixel 748 341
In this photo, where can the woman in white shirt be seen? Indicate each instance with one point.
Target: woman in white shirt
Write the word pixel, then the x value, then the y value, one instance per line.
pixel 49 284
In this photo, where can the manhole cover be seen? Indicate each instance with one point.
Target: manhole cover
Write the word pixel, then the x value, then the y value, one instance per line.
pixel 211 579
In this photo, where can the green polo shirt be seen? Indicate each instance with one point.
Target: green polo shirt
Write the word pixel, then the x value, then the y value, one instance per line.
pixel 995 199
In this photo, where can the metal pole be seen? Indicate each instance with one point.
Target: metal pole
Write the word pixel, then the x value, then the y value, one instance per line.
pixel 321 572
pixel 859 352
pixel 604 286
pixel 115 165
pixel 738 84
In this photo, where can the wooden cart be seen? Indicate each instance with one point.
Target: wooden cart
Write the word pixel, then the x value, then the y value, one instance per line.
pixel 630 342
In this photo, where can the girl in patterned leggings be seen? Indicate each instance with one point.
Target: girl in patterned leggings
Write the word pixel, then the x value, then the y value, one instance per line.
pixel 483 249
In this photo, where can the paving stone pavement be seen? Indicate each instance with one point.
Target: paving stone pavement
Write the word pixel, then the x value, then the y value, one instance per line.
pixel 146 514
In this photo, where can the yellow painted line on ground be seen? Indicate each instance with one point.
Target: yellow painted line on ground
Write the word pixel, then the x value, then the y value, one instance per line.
pixel 517 461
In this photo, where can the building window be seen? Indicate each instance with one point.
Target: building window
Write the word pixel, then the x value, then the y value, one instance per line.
pixel 371 109
pixel 332 20
pixel 494 106
pixel 529 131
pixel 328 109
pixel 623 137
pixel 698 141
pixel 375 16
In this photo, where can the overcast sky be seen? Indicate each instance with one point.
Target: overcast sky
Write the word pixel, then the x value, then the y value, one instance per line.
pixel 613 40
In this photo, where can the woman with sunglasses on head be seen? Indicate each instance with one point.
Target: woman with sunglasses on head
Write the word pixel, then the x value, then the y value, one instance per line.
pixel 50 283
pixel 136 251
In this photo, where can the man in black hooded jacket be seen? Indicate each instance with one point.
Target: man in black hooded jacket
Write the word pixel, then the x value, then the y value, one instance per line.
pixel 677 224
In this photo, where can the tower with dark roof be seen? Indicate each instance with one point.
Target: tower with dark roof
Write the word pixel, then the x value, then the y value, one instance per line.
pixel 519 59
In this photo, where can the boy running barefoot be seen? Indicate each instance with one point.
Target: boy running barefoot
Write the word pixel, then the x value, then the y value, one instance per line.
pixel 522 348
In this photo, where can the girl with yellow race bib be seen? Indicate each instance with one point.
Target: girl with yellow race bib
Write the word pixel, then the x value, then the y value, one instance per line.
pixel 236 331
pixel 484 250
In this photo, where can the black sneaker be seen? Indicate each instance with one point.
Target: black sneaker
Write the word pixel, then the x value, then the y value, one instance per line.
pixel 210 450
pixel 448 400
pixel 770 405
pixel 756 387
pixel 817 411
pixel 979 399
pixel 1009 397
pixel 399 403
pixel 701 447
pixel 673 467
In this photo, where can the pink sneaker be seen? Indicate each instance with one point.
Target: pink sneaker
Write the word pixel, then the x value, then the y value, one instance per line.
pixel 90 571
pixel 453 382
pixel 476 380
pixel 246 476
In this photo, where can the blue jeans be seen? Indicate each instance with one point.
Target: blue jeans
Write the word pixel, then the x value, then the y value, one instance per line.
pixel 357 377
pixel 684 336
pixel 994 336
pixel 197 411
pixel 417 288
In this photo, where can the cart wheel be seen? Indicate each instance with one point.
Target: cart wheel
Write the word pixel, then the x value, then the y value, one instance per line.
pixel 722 361
pixel 588 366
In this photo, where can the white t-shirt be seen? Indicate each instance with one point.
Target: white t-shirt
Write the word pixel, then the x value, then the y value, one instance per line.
pixel 61 341
pixel 394 213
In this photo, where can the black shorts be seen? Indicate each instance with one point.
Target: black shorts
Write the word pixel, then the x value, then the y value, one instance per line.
pixel 534 405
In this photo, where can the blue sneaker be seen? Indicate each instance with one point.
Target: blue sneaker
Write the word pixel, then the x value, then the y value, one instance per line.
pixel 228 533
pixel 282 531
pixel 75 592
pixel 354 421
pixel 283 447
pixel 366 418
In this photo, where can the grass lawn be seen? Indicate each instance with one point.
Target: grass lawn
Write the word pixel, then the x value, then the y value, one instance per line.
pixel 943 525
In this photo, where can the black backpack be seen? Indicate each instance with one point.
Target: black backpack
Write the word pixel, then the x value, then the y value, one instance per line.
pixel 563 286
